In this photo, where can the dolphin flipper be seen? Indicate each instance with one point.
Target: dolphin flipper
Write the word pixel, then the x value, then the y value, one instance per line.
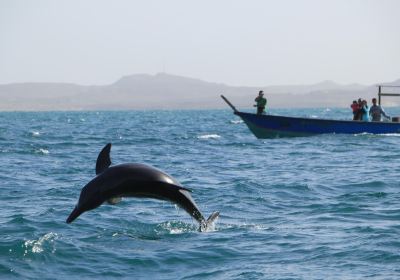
pixel 103 160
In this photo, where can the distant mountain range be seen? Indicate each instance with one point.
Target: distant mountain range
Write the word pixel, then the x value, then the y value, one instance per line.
pixel 165 91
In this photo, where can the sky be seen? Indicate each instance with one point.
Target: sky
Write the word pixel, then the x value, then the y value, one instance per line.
pixel 238 43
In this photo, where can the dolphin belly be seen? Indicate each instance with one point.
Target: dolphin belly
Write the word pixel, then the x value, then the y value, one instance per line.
pixel 160 191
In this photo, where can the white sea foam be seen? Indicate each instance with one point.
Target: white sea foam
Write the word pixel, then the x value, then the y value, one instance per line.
pixel 38 246
pixel 35 133
pixel 176 228
pixel 209 136
pixel 390 134
pixel 43 151
pixel 379 134
pixel 236 121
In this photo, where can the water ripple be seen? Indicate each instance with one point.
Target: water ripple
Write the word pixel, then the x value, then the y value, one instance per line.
pixel 321 207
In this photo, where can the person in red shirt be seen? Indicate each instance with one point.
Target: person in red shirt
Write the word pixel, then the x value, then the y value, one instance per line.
pixel 355 107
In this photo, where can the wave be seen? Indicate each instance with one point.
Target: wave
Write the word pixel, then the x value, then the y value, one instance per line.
pixel 209 136
pixel 42 151
pixel 236 121
pixel 35 133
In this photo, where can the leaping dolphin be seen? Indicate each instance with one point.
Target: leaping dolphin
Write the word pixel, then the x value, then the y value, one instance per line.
pixel 134 180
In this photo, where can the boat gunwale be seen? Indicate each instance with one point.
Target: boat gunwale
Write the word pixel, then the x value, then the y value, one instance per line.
pixel 318 119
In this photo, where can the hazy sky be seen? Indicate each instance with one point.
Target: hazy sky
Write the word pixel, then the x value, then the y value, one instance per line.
pixel 253 42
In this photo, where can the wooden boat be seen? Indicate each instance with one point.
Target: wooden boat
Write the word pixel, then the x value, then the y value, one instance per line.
pixel 272 126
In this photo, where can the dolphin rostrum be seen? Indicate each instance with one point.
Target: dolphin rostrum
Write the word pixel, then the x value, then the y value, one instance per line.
pixel 134 180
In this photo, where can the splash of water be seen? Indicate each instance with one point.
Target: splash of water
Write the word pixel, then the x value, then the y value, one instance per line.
pixel 38 246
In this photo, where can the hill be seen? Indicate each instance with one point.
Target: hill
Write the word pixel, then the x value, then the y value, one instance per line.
pixel 165 91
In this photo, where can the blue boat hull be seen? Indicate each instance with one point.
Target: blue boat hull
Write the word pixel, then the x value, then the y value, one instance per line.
pixel 269 126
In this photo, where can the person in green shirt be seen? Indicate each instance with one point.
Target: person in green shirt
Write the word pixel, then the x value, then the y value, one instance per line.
pixel 261 102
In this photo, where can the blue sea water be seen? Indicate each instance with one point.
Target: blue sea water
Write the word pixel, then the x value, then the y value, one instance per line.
pixel 320 207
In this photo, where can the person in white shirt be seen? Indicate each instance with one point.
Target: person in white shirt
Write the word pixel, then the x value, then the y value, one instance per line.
pixel 376 112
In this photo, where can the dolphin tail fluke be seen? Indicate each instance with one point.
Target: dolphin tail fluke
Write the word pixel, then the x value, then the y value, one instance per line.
pixel 209 223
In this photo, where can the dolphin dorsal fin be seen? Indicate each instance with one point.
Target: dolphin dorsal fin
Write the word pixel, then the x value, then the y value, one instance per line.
pixel 103 160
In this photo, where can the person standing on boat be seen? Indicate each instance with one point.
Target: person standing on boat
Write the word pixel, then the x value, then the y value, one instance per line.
pixel 354 106
pixel 365 111
pixel 261 102
pixel 376 112
pixel 358 116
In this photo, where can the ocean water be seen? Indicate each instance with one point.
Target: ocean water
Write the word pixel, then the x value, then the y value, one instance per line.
pixel 320 207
